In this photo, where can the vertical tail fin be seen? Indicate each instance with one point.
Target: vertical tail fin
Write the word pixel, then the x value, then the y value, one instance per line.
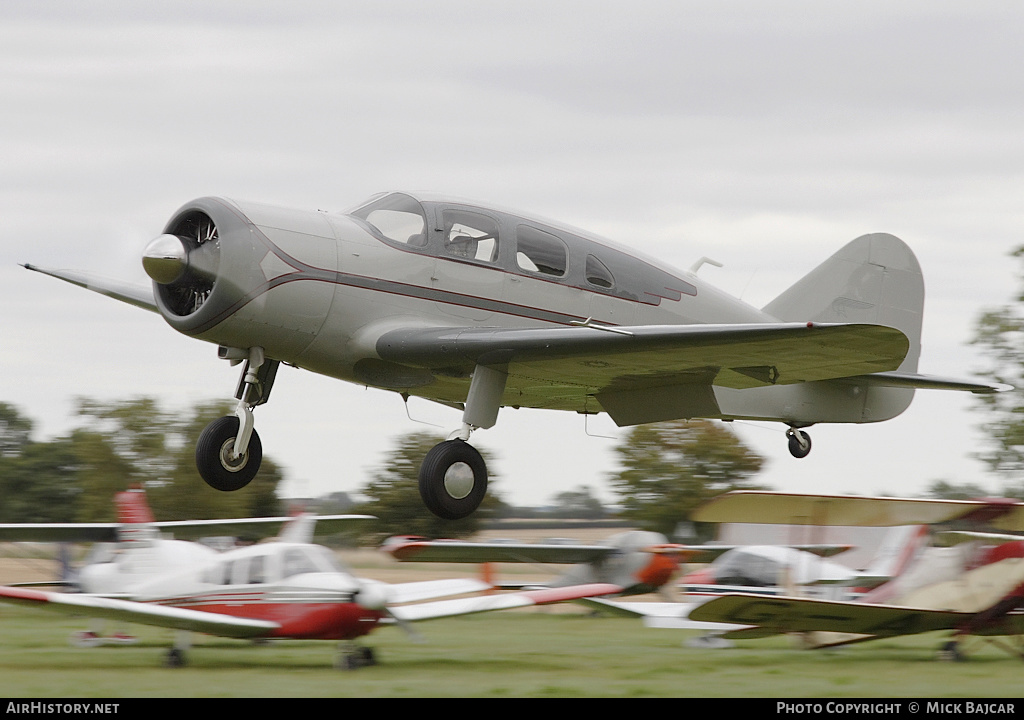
pixel 901 545
pixel 135 517
pixel 873 279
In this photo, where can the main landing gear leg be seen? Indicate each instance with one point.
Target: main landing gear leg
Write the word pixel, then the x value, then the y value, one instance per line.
pixel 229 452
pixel 950 651
pixel 799 442
pixel 453 476
pixel 175 657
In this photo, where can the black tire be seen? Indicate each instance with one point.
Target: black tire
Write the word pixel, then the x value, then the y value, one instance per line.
pixel 439 489
pixel 175 658
pixel 212 460
pixel 797 448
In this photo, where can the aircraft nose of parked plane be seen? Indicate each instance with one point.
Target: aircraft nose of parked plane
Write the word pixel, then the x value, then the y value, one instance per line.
pixel 372 596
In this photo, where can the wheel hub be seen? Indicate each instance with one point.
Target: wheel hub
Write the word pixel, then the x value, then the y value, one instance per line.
pixel 227 457
pixel 458 480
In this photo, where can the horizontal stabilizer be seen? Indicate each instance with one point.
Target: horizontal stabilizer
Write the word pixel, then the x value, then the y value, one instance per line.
pixel 926 382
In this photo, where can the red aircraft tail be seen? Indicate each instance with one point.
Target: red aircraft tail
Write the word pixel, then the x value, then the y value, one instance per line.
pixel 135 516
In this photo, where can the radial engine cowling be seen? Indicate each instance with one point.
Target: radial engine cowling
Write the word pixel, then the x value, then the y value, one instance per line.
pixel 204 265
pixel 243 274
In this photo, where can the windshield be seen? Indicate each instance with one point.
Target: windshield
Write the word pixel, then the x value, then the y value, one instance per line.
pixel 309 559
pixel 396 217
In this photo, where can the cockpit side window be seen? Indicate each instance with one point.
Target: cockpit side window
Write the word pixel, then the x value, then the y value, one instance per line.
pixel 540 252
pixel 396 217
pixel 297 562
pixel 470 236
pixel 598 273
pixel 257 570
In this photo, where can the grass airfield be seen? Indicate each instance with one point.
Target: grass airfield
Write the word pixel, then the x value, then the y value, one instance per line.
pixel 531 653
pixel 555 651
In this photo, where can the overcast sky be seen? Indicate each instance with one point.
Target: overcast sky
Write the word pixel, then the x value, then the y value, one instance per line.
pixel 763 135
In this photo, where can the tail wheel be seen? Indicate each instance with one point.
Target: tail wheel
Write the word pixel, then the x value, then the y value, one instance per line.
pixel 214 458
pixel 799 443
pixel 453 480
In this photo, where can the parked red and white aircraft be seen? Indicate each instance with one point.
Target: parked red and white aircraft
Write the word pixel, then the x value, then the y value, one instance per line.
pixel 479 308
pixel 280 589
pixel 136 548
pixel 971 588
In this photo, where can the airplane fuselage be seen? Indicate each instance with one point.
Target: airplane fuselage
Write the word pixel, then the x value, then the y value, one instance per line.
pixel 295 586
pixel 320 290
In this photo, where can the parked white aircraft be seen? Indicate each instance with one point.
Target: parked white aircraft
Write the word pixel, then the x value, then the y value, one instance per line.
pixel 135 549
pixel 285 590
pixel 480 308
pixel 288 588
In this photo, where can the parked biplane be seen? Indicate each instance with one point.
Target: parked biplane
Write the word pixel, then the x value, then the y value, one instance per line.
pixel 973 588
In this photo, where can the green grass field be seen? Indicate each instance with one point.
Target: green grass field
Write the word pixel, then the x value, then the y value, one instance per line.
pixel 515 654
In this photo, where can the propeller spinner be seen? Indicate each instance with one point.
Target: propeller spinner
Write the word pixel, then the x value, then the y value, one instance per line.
pixel 184 262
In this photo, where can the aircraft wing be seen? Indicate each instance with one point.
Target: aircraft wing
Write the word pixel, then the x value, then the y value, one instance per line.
pixel 618 365
pixel 773 615
pixel 487 603
pixel 661 615
pixel 469 552
pixel 751 506
pixel 136 295
pixel 141 613
pixel 450 551
pixel 58 532
pixel 192 529
pixel 182 529
pixel 430 589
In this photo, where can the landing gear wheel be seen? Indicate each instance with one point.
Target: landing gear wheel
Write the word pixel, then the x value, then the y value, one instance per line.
pixel 175 658
pixel 453 480
pixel 355 658
pixel 950 652
pixel 213 456
pixel 799 443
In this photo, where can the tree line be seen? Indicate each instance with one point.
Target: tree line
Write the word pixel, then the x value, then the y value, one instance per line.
pixel 667 470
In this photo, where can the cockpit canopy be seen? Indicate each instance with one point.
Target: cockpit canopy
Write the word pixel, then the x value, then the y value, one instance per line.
pixel 469 233
pixel 272 563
